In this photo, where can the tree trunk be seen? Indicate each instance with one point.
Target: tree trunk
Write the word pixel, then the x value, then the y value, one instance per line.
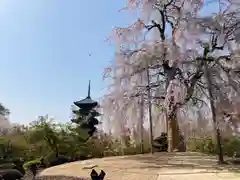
pixel 213 109
pixel 173 130
pixel 57 152
pixel 150 112
pixel 174 143
pixel 141 123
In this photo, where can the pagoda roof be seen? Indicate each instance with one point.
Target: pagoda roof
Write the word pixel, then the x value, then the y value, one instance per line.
pixel 87 102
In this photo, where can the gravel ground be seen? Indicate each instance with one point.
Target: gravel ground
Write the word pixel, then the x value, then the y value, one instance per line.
pixel 159 166
pixel 29 176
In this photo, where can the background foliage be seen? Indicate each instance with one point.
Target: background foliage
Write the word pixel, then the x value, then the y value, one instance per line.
pixel 43 137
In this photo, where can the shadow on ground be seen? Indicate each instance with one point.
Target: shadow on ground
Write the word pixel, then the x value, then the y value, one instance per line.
pixel 183 160
pixel 29 176
pixel 60 178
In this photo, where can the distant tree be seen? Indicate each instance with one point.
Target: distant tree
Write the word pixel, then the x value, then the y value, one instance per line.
pixel 44 129
pixel 4 111
pixel 4 121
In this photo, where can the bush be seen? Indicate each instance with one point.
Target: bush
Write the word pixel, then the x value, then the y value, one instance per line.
pixel 161 143
pixel 7 166
pixel 131 150
pixel 202 144
pixel 48 158
pixel 231 147
pixel 59 160
pixel 11 174
pixel 207 144
pixel 28 164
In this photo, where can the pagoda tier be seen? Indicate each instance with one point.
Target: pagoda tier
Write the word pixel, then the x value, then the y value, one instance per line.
pixel 87 103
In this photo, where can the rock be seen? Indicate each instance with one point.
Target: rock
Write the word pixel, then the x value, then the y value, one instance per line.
pixel 90 166
pixel 10 174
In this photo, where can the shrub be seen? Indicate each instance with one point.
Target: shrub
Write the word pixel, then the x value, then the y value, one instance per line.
pixel 28 164
pixel 11 174
pixel 7 166
pixel 161 143
pixel 59 160
pixel 231 146
pixel 207 144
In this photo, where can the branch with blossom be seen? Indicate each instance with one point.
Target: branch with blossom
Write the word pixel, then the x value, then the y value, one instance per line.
pixel 179 57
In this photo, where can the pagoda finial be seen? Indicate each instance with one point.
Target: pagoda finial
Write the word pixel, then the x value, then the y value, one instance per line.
pixel 89 88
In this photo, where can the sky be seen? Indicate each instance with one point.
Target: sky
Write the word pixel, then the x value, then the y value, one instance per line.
pixel 44 54
pixel 50 49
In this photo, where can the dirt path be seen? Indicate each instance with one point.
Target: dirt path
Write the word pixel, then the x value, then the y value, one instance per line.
pixel 160 166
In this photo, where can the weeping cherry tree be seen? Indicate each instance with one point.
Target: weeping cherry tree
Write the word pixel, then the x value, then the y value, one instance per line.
pixel 182 50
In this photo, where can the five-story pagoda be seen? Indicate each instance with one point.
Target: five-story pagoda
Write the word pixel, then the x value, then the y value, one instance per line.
pixel 86 115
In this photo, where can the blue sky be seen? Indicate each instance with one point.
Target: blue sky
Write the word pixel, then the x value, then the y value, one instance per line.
pixel 44 53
